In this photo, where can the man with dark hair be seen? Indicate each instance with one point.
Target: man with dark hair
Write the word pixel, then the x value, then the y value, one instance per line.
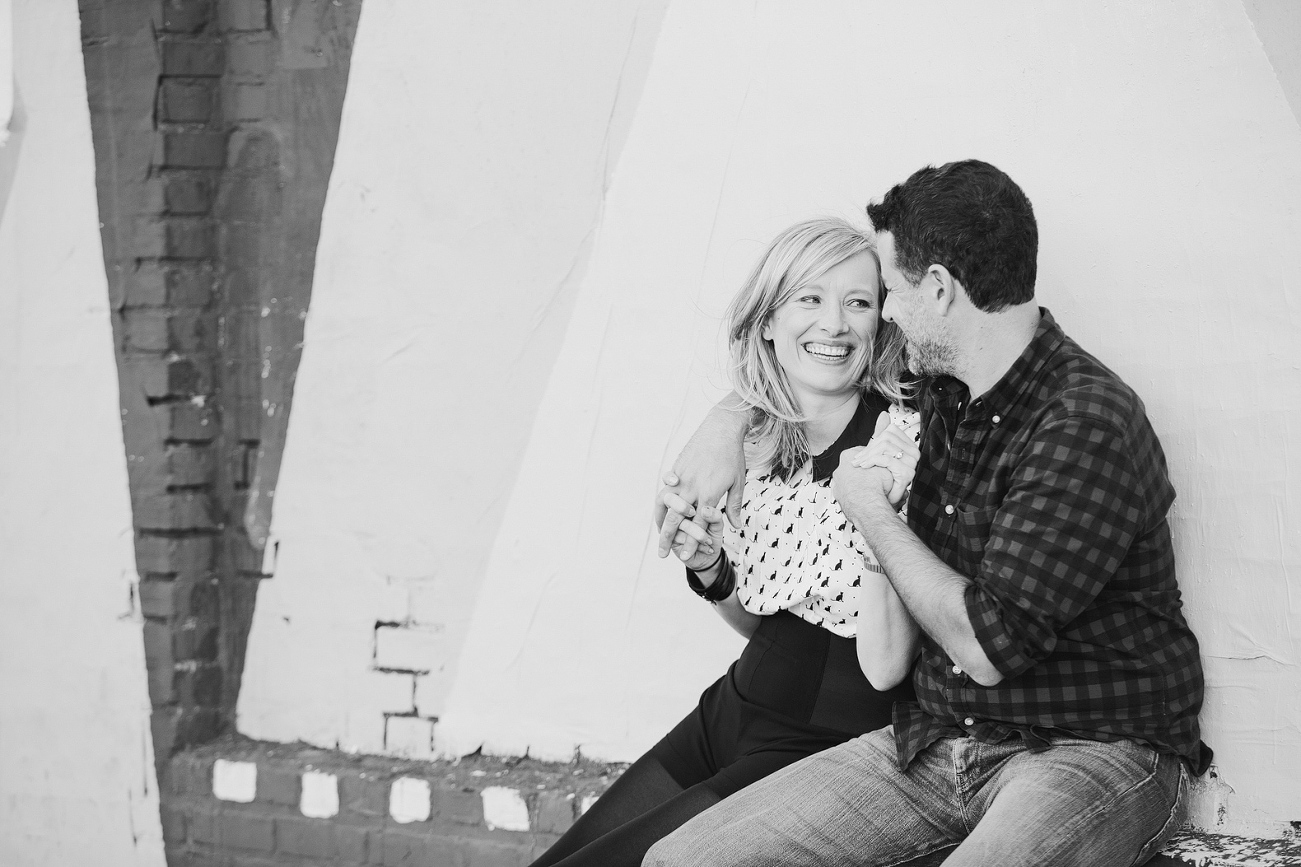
pixel 1058 684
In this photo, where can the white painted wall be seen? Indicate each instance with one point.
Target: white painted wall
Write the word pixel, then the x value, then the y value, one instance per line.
pixel 1164 163
pixel 473 156
pixel 76 763
pixel 6 68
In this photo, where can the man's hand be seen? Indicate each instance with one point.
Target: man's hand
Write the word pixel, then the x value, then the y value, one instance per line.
pixel 893 449
pixel 855 488
pixel 711 464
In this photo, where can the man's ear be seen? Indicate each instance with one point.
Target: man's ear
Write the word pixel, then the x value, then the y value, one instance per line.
pixel 941 288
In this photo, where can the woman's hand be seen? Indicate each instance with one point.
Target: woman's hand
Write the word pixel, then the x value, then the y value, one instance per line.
pixel 892 448
pixel 706 542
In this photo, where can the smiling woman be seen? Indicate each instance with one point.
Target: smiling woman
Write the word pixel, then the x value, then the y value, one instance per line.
pixel 830 644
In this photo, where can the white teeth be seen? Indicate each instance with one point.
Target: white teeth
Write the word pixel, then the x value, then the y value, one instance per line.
pixel 824 350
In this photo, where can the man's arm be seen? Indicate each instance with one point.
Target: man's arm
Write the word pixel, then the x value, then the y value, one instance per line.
pixel 1055 540
pixel 933 593
pixel 711 464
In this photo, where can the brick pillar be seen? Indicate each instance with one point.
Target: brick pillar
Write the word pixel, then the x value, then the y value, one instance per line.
pixel 214 138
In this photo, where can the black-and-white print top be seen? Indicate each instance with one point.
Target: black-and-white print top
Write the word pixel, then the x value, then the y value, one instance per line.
pixel 795 548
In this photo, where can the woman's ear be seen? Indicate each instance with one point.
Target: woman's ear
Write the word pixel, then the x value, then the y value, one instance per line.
pixel 766 331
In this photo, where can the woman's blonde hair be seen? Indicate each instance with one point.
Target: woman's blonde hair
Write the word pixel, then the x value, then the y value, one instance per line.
pixel 794 259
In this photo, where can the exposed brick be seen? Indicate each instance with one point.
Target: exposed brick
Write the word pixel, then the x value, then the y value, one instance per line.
pixel 164 554
pixel 554 812
pixel 158 645
pixel 190 238
pixel 196 640
pixel 157 597
pixel 198 685
pixel 185 16
pixel 250 56
pixel 94 24
pixel 244 15
pixel 189 464
pixel 173 819
pixel 362 794
pixel 278 785
pixel 405 848
pixel 197 725
pixel 246 830
pixel 464 806
pixel 168 377
pixel 146 330
pixel 298 835
pixel 163 724
pixel 156 284
pixel 193 150
pixel 448 851
pixel 192 775
pixel 495 853
pixel 245 102
pixel 187 195
pixel 193 57
pixel 160 682
pixel 189 422
pixel 186 100
pixel 201 822
pixel 186 510
pixel 351 844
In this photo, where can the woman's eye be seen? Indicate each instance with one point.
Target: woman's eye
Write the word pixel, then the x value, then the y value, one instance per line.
pixel 810 299
pixel 861 303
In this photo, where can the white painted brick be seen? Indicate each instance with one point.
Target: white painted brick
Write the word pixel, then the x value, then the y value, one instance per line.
pixel 504 808
pixel 409 736
pixel 408 800
pixel 432 690
pixel 234 781
pixel 320 798
pixel 409 648
pixel 586 804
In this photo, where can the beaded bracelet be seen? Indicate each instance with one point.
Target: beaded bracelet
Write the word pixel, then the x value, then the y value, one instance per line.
pixel 722 587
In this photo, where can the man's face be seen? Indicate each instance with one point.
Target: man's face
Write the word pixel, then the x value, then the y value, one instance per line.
pixel 929 349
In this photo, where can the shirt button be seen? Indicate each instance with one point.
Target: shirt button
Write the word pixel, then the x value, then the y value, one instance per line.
pixel 997 419
pixel 968 722
pixel 948 510
pixel 957 669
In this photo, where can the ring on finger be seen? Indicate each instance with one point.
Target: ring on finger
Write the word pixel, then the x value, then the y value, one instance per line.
pixel 898 455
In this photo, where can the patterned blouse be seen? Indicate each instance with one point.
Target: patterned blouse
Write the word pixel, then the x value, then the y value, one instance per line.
pixel 795 548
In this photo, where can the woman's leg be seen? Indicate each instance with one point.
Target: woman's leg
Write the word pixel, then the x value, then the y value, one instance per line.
pixel 627 844
pixel 643 787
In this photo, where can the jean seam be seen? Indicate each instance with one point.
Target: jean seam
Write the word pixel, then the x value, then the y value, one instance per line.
pixel 1148 849
pixel 1148 779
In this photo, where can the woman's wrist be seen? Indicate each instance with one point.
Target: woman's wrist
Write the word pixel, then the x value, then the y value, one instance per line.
pixel 722 580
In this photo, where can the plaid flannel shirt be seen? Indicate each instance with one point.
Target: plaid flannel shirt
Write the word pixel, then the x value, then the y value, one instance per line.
pixel 1050 493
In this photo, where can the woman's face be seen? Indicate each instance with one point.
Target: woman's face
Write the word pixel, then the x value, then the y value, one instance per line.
pixel 823 333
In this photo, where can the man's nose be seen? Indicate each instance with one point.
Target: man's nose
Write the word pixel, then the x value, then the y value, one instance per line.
pixel 887 308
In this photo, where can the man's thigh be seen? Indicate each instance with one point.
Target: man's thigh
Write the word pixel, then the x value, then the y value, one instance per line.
pixel 1078 804
pixel 846 805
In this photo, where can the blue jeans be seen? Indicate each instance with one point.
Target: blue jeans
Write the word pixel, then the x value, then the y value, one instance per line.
pixel 962 802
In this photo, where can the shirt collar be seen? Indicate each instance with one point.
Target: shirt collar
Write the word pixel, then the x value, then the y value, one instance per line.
pixel 1025 370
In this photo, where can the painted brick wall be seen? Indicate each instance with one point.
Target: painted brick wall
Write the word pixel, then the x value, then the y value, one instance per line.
pixel 214 124
pixel 242 803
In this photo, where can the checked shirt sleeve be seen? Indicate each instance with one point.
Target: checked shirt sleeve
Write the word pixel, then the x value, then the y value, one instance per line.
pixel 1073 508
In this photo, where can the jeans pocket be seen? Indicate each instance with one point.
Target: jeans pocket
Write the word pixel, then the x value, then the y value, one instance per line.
pixel 1175 821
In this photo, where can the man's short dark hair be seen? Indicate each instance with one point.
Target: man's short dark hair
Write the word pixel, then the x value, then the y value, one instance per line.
pixel 971 218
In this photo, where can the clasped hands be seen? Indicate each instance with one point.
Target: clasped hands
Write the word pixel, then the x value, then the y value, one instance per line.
pixel 691 524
